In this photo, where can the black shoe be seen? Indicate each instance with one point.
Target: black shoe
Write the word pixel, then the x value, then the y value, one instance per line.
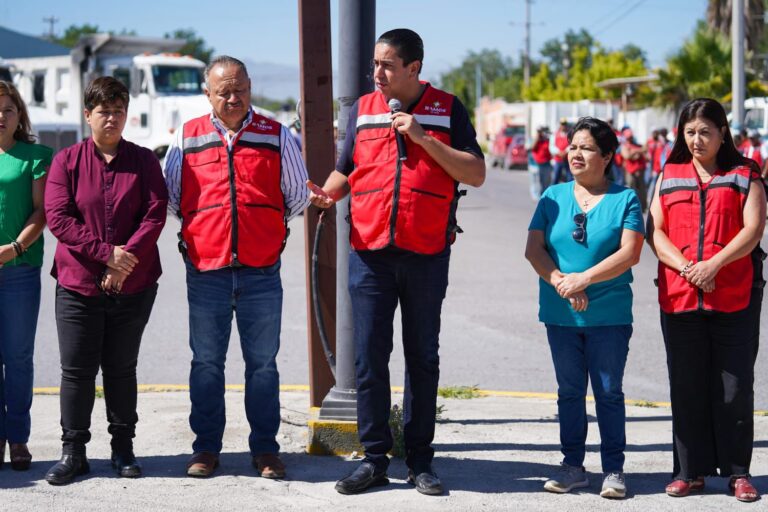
pixel 426 481
pixel 125 464
pixel 362 478
pixel 67 469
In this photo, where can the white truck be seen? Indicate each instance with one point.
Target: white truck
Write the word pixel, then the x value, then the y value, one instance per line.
pixel 165 87
pixel 51 129
pixel 756 115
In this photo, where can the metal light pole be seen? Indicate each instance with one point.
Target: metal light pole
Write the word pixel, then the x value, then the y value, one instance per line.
pixel 357 25
pixel 737 62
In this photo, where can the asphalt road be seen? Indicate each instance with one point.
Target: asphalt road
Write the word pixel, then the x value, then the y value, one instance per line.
pixel 490 333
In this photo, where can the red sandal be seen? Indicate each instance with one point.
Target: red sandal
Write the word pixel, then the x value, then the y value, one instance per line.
pixel 682 488
pixel 743 489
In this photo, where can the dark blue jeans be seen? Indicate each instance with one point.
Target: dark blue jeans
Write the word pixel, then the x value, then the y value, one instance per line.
pixel 598 354
pixel 256 295
pixel 378 280
pixel 561 173
pixel 19 305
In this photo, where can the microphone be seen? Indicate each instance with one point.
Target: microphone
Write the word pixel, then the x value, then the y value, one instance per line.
pixel 395 106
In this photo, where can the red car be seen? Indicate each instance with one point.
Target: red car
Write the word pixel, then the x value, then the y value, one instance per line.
pixel 508 148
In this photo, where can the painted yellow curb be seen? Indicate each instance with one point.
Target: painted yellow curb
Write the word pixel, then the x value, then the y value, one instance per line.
pixel 164 388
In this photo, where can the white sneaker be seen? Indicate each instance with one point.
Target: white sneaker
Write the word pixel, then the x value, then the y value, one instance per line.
pixel 614 486
pixel 566 479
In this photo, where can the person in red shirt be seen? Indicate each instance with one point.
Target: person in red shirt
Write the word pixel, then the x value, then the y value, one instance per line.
pixel 752 147
pixel 560 146
pixel 542 158
pixel 633 155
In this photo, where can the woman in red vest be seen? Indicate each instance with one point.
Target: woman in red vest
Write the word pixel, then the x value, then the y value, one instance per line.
pixel 707 217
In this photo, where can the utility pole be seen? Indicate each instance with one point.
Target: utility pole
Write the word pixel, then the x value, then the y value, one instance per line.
pixel 319 153
pixel 737 62
pixel 527 51
pixel 357 25
pixel 51 20
pixel 527 63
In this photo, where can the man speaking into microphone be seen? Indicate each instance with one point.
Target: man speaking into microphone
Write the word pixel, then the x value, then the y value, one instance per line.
pixel 402 224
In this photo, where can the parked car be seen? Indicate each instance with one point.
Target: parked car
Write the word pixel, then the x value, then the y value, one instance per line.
pixel 508 150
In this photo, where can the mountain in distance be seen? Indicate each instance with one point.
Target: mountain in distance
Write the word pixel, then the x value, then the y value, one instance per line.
pixel 273 81
pixel 277 81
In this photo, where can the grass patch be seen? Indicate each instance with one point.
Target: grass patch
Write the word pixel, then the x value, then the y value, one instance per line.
pixel 99 392
pixel 460 392
pixel 396 420
pixel 645 403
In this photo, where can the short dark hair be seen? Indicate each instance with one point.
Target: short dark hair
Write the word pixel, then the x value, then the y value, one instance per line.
pixel 604 136
pixel 728 156
pixel 105 90
pixel 407 44
pixel 223 61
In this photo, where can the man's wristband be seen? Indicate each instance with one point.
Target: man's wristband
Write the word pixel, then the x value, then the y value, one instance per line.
pixel 686 268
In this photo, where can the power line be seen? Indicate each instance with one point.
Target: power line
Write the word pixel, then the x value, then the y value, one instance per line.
pixel 611 23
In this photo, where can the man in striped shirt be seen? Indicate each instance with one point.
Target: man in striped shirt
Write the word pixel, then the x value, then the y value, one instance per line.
pixel 234 178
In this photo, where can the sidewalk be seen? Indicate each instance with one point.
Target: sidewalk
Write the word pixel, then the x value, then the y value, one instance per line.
pixel 493 453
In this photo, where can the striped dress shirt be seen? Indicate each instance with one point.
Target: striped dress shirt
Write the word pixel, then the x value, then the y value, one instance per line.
pixel 293 171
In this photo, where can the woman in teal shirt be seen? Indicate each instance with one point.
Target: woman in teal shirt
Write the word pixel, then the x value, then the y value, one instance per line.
pixel 23 165
pixel 583 238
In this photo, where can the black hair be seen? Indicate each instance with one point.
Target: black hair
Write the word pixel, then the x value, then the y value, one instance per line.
pixel 407 44
pixel 106 90
pixel 603 134
pixel 728 156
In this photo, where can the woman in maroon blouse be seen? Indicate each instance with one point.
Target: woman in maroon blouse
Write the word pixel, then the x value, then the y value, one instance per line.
pixel 106 203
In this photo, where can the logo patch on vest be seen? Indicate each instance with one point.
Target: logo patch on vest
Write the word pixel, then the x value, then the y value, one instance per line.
pixel 435 108
pixel 262 125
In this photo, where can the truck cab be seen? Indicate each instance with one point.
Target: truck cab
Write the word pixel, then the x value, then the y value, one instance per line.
pixel 166 89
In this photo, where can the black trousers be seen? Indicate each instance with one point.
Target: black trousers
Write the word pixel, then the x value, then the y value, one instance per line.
pixel 711 360
pixel 99 332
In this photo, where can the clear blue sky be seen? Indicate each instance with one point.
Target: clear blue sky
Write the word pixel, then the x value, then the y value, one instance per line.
pixel 266 30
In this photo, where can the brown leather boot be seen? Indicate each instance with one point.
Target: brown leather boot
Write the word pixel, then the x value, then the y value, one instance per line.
pixel 21 459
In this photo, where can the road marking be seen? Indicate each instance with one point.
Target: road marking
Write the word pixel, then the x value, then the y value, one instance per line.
pixel 172 388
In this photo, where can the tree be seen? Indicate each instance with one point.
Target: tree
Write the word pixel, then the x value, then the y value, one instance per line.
pixel 559 53
pixel 195 45
pixel 73 32
pixel 720 16
pixel 494 69
pixel 587 69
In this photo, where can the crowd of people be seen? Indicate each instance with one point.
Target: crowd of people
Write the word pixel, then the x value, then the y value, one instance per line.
pixel 235 178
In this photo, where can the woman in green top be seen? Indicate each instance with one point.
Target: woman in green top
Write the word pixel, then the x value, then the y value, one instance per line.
pixel 23 165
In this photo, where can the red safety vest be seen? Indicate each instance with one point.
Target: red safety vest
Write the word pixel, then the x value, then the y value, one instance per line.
pixel 700 232
pixel 232 206
pixel 408 204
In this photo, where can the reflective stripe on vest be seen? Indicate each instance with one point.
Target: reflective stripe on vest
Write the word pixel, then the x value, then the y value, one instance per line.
pixel 700 221
pixel 406 204
pixel 232 205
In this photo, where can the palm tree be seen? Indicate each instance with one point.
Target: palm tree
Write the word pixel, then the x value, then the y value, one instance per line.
pixel 719 17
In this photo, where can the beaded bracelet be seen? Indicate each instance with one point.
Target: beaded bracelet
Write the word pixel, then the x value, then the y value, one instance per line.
pixel 686 268
pixel 16 248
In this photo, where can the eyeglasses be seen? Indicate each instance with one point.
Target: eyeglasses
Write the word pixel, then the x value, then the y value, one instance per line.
pixel 580 233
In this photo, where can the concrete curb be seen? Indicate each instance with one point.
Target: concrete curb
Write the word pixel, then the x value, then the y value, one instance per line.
pixel 175 388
